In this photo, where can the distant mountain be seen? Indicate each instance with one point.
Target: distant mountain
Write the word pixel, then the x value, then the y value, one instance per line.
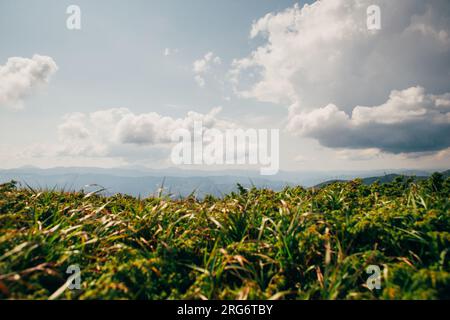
pixel 384 179
pixel 141 181
pixel 389 178
pixel 327 183
pixel 139 185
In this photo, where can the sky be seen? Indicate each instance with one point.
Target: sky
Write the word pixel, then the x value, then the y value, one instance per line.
pixel 342 95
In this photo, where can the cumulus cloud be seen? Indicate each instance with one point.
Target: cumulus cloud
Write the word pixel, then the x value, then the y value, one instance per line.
pixel 169 51
pixel 410 121
pixel 19 77
pixel 324 53
pixel 119 132
pixel 336 75
pixel 203 66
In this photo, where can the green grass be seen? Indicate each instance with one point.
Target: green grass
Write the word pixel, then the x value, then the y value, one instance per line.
pixel 256 244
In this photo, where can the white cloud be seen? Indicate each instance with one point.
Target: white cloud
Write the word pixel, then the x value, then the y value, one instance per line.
pixel 320 56
pixel 300 158
pixel 323 53
pixel 443 155
pixel 410 121
pixel 19 77
pixel 120 132
pixel 170 52
pixel 200 80
pixel 203 66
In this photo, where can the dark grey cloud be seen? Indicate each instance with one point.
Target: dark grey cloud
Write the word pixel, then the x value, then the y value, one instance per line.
pixel 409 137
pixel 410 121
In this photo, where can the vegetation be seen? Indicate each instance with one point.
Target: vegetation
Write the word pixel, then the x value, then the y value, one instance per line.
pixel 255 244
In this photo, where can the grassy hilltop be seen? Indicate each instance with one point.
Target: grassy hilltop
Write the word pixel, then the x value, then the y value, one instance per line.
pixel 255 244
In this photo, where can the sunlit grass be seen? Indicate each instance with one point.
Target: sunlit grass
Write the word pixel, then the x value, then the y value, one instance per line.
pixel 255 244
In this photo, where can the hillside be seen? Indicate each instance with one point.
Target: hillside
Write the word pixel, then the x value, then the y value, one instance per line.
pixel 387 178
pixel 252 244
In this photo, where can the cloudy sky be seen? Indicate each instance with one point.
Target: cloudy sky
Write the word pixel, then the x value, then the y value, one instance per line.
pixel 344 97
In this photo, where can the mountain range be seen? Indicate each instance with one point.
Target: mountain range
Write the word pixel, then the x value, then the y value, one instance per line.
pixel 143 182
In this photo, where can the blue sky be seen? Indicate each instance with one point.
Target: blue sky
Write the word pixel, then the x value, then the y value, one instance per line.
pixel 118 60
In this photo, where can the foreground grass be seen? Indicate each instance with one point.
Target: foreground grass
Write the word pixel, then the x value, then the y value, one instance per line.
pixel 257 244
